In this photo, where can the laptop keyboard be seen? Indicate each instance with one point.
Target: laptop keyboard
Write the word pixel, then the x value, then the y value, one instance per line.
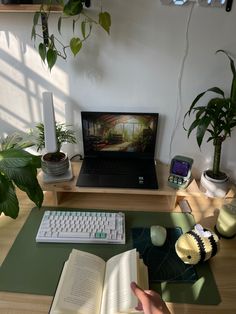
pixel 114 166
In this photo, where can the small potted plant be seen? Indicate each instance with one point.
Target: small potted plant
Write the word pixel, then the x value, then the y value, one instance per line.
pixel 17 168
pixel 218 118
pixel 56 163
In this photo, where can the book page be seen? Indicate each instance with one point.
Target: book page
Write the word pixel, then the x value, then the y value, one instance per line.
pixel 142 275
pixel 80 287
pixel 120 271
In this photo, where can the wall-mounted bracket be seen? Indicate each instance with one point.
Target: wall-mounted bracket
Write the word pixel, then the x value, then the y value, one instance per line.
pixel 227 4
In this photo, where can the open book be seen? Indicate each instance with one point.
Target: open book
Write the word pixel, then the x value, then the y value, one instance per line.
pixel 89 285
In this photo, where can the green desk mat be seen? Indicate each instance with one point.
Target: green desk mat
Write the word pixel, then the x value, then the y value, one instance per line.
pixel 35 268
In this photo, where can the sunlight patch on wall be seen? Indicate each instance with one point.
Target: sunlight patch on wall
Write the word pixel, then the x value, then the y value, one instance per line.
pixel 57 77
pixel 9 44
pixel 25 78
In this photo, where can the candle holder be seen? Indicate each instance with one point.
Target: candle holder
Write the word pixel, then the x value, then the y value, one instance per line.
pixel 226 221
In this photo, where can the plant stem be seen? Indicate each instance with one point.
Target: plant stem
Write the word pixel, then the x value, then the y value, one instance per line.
pixel 217 155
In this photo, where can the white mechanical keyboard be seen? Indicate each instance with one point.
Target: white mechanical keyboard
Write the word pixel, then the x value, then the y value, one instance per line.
pixel 82 227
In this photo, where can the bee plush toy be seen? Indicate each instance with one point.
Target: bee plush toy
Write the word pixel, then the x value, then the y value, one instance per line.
pixel 197 245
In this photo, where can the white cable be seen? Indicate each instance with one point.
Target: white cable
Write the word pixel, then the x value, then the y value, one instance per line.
pixel 179 82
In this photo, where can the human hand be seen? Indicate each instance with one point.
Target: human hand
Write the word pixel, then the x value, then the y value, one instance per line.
pixel 149 301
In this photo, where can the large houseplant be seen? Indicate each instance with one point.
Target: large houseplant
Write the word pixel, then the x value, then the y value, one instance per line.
pixel 17 168
pixel 217 118
pixel 54 163
pixel 51 45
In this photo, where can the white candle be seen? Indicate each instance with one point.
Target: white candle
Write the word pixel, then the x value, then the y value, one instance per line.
pixel 226 222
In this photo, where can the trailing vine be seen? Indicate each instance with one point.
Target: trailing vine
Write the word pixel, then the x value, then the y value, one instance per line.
pixel 51 46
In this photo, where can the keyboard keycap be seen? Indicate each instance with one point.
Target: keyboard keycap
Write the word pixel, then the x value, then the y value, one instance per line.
pixel 74 235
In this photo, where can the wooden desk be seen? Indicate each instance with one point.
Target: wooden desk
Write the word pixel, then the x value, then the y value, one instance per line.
pixel 205 211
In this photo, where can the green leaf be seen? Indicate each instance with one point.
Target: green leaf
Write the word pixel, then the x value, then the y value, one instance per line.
pixel 36 18
pixel 9 204
pixel 230 59
pixel 194 102
pixel 16 141
pixel 75 45
pixel 73 7
pixel 42 51
pixel 216 90
pixel 14 158
pixel 200 111
pixel 4 187
pixel 26 179
pixel 202 128
pixel 35 161
pixel 233 84
pixel 83 27
pixel 33 33
pixel 51 58
pixel 18 167
pixel 193 126
pixel 233 90
pixel 232 124
pixel 210 139
pixel 59 25
pixel 52 44
pixel 105 21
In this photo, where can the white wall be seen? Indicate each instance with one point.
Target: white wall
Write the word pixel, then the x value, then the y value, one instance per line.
pixel 146 64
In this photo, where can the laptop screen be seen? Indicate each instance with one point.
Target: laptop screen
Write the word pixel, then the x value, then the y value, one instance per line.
pixel 113 134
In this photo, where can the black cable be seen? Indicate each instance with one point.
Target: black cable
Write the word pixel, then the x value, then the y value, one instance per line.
pixel 77 155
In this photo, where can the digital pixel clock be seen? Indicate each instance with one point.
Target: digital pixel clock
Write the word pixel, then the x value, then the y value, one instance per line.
pixel 180 172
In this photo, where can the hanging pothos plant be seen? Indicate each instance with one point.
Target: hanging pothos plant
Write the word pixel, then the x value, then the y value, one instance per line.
pixel 49 45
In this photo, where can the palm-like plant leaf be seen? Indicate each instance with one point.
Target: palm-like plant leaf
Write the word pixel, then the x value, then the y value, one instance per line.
pixel 230 59
pixel 193 126
pixel 233 84
pixel 193 108
pixel 63 134
pixel 202 128
pixel 218 117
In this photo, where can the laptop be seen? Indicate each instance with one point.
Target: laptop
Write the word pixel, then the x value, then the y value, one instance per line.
pixel 119 150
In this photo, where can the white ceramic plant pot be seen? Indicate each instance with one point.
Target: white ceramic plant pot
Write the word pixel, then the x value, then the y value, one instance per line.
pixel 212 187
pixel 55 167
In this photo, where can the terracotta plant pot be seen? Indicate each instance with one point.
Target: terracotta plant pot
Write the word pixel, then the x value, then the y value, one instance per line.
pixel 55 163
